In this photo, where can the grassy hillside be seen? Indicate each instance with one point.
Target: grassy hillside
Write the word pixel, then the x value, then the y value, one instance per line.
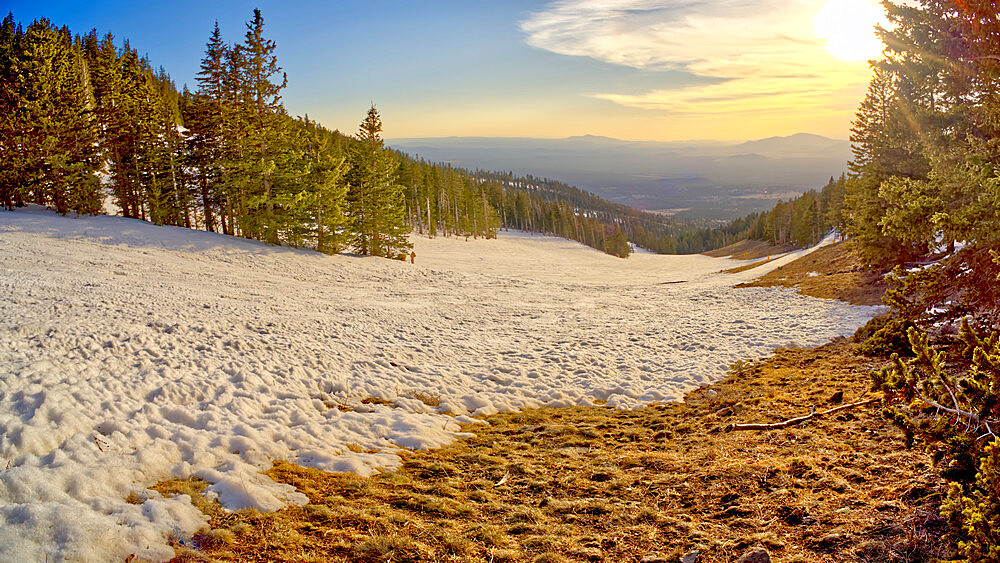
pixel 831 272
pixel 601 484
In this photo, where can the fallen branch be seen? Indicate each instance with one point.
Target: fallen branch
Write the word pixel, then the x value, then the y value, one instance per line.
pixel 797 420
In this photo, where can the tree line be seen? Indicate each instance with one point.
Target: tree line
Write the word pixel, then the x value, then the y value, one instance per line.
pixel 925 182
pixel 548 206
pixel 923 199
pixel 86 120
pixel 83 119
pixel 803 221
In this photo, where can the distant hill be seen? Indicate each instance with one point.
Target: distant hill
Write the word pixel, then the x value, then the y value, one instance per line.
pixel 800 145
pixel 690 178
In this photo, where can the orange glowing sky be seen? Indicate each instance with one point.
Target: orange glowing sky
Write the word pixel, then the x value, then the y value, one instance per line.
pixel 631 69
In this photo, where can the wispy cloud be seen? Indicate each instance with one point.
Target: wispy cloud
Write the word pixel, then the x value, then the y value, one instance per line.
pixel 758 56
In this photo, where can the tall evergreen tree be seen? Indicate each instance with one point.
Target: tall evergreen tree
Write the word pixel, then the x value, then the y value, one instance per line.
pixel 324 191
pixel 375 199
pixel 263 129
pixel 205 120
pixel 51 125
pixel 12 173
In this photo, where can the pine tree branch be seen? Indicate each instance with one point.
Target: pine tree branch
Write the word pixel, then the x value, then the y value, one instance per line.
pixel 800 419
pixel 959 412
pixel 953 399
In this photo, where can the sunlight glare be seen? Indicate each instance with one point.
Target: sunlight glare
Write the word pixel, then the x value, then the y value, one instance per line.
pixel 848 26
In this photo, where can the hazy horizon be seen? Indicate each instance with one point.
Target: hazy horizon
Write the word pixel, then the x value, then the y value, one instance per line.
pixel 586 135
pixel 697 179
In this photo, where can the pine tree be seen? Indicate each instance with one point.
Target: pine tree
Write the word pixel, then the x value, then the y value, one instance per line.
pixel 885 146
pixel 616 243
pixel 12 172
pixel 315 208
pixel 52 123
pixel 205 119
pixel 375 199
pixel 261 118
pixel 167 154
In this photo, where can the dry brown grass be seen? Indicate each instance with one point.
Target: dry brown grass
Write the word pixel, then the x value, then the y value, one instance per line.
pixel 749 250
pixel 599 484
pixel 830 272
pixel 746 267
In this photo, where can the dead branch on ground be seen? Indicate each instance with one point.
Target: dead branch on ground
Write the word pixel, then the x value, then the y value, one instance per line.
pixel 800 419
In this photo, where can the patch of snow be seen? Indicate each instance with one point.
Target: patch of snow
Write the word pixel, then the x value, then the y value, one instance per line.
pixel 131 353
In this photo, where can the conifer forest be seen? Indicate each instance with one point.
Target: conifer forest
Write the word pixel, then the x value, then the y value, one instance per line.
pixel 88 119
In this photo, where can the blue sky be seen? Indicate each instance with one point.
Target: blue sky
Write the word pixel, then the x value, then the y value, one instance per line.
pixel 639 69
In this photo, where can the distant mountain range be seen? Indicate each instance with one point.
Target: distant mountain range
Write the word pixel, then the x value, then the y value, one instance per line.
pixel 702 179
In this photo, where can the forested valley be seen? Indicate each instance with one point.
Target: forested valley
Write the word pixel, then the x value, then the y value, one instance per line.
pixel 86 119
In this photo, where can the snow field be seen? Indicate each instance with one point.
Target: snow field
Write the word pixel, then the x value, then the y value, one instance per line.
pixel 131 353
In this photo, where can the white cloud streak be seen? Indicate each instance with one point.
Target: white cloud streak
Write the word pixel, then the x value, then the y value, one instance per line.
pixel 759 56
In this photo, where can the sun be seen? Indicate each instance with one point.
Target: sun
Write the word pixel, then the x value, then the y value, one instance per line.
pixel 848 27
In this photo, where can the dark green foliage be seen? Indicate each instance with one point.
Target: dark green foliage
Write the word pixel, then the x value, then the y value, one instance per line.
pixel 541 205
pixel 883 336
pixel 886 149
pixel 925 137
pixel 321 198
pixel 205 117
pixel 375 199
pixel 261 162
pixel 616 244
pixel 228 158
pixel 801 222
pixel 547 206
pixel 12 173
pixel 954 416
pixel 49 130
pixel 442 200
pixel 925 177
pixel 975 514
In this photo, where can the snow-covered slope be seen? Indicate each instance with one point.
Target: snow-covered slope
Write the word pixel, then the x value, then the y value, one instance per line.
pixel 131 353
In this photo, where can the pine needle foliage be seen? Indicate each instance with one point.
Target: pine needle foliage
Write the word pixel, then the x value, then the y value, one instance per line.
pixel 88 124
pixel 49 130
pixel 924 190
pixel 955 415
pixel 375 198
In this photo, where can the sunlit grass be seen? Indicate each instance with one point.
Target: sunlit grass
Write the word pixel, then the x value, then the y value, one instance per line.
pixel 599 484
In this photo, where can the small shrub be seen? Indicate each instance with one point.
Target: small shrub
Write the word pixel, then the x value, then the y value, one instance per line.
pixel 976 513
pixel 883 336
pixel 956 419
